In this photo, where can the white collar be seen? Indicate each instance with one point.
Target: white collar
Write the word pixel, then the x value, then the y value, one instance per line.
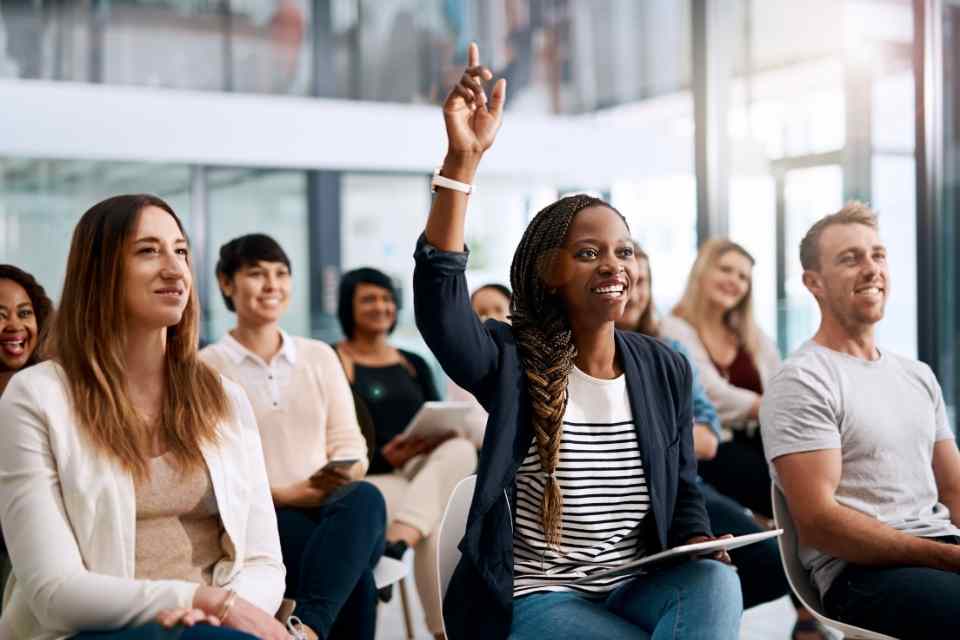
pixel 238 353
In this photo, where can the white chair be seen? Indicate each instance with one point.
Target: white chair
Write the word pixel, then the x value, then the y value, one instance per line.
pixel 799 578
pixel 452 527
pixel 390 571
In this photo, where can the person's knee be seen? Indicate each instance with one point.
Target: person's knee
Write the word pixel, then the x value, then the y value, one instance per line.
pixel 718 581
pixel 462 454
pixel 367 502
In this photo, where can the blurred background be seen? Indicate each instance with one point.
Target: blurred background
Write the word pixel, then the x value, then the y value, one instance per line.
pixel 317 121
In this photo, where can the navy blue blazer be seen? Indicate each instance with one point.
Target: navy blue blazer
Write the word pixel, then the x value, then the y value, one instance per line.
pixel 483 359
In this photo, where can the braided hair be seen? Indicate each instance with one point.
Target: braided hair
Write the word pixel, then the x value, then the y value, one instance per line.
pixel 545 340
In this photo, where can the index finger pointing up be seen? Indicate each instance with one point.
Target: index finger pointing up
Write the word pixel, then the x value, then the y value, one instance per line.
pixel 473 55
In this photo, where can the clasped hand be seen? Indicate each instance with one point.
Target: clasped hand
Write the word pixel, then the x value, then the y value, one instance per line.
pixel 242 615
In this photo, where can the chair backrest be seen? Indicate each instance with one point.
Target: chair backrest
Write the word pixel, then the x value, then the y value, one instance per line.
pixel 799 578
pixel 452 528
pixel 797 574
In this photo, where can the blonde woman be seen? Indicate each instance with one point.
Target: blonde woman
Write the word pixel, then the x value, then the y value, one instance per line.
pixel 133 492
pixel 714 321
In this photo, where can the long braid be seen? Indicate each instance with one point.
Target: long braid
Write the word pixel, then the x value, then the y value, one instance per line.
pixel 545 342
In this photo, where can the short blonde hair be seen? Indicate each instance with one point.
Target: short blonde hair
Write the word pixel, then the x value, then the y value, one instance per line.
pixel 854 212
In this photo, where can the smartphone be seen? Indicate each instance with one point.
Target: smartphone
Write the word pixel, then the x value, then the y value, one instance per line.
pixel 340 463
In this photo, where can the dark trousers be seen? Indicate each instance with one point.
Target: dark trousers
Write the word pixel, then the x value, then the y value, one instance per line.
pixel 761 573
pixel 904 602
pixel 330 552
pixel 154 631
pixel 740 471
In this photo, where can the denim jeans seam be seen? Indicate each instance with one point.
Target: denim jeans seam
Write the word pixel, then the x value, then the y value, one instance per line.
pixel 677 623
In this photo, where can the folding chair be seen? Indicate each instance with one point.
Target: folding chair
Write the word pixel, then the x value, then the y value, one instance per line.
pixel 452 527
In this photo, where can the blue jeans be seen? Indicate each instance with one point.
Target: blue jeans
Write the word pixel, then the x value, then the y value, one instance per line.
pixel 695 600
pixel 330 552
pixel 904 602
pixel 154 631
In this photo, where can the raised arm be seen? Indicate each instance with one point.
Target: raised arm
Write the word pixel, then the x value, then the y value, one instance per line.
pixel 472 122
pixel 444 316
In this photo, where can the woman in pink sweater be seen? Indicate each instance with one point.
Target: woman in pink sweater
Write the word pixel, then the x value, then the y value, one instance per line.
pixel 331 522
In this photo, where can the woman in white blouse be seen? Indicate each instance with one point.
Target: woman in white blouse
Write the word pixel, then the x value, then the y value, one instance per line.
pixel 133 493
pixel 714 321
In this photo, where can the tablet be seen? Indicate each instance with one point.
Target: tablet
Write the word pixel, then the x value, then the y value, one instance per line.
pixel 436 418
pixel 681 552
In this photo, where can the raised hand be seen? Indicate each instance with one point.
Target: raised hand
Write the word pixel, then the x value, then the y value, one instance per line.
pixel 471 118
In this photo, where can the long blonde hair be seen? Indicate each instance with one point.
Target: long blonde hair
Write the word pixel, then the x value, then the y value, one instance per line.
pixel 88 338
pixel 693 305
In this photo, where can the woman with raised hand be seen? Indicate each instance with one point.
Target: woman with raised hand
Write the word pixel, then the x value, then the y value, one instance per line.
pixel 714 321
pixel 588 458
pixel 331 523
pixel 133 493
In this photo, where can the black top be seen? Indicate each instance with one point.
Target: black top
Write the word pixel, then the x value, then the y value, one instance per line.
pixel 483 359
pixel 392 396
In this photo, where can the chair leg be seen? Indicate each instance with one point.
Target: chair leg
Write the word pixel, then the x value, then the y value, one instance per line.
pixel 405 603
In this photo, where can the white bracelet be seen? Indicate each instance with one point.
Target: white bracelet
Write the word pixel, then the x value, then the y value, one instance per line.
pixel 448 183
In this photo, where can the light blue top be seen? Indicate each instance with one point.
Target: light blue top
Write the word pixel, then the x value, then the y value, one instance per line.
pixel 703 410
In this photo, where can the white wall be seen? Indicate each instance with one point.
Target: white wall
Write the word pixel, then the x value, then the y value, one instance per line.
pixel 65 120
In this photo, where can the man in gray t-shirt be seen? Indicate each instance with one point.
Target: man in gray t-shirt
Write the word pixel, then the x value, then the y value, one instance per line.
pixel 857 438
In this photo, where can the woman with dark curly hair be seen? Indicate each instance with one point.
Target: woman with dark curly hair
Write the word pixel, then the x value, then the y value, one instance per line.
pixel 587 460
pixel 415 475
pixel 25 312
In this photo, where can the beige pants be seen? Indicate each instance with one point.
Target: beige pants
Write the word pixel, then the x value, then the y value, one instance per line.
pixel 417 496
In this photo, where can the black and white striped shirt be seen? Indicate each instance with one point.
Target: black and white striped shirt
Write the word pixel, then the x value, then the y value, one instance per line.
pixel 604 494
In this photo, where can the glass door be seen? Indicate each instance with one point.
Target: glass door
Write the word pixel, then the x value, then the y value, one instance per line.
pixel 806 194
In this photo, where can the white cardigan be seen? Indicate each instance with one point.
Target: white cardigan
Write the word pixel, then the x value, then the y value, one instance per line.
pixel 733 403
pixel 69 519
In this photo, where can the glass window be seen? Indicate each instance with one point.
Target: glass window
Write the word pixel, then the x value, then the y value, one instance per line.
pixel 559 56
pixel 894 198
pixel 753 215
pixel 496 220
pixel 809 194
pixel 382 217
pixel 42 200
pixel 662 214
pixel 261 46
